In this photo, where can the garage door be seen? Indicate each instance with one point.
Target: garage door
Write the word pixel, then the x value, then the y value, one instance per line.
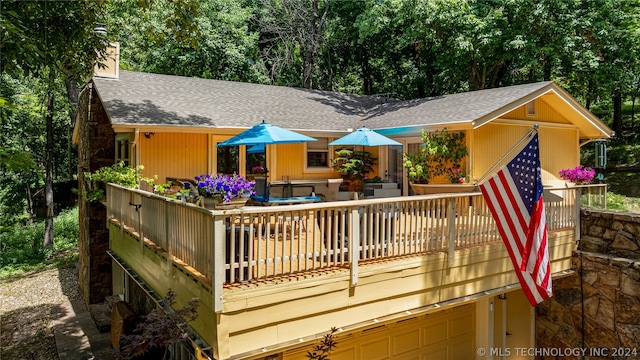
pixel 447 335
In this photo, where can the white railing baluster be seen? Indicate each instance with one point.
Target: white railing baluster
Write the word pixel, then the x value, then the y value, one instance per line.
pixel 275 241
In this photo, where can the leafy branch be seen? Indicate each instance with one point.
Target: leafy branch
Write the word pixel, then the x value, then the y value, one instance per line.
pixel 327 344
pixel 159 329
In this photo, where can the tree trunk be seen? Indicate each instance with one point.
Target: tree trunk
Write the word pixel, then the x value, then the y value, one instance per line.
pixel 310 46
pixel 588 95
pixel 365 68
pixel 617 112
pixel 633 107
pixel 48 187
pixel 29 204
pixel 72 95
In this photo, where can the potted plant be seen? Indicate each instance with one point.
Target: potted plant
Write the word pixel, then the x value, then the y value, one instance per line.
pixel 579 175
pixel 224 191
pixel 353 167
pixel 442 154
pixel 118 173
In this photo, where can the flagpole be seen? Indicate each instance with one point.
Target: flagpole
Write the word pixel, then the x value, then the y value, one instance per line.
pixel 499 162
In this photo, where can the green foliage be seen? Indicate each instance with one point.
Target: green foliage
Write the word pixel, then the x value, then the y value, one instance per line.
pixel 21 248
pixel 189 37
pixel 620 153
pixel 118 173
pixel 354 165
pixel 615 202
pixel 441 151
pixel 323 350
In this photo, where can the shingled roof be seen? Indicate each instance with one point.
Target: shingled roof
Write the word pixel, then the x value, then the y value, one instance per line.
pixel 461 108
pixel 164 100
pixel 139 99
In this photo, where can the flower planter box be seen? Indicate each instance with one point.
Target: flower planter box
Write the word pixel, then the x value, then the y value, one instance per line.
pixel 215 204
pixel 424 189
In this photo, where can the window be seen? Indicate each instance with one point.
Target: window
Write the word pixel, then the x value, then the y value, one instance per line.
pixel 255 162
pixel 531 108
pixel 318 154
pixel 122 149
pixel 228 160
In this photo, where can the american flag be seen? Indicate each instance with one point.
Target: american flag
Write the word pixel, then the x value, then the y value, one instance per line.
pixel 514 196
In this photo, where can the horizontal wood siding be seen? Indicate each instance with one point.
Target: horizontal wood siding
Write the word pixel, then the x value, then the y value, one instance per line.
pixel 152 267
pixel 492 141
pixel 178 155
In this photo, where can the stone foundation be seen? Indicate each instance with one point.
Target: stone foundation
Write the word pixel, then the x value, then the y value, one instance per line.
pixel 599 305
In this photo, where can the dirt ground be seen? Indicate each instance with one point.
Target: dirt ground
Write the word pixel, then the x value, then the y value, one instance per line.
pixel 28 305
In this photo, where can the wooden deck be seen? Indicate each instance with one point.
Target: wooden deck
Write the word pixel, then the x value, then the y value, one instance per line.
pixel 267 242
pixel 265 273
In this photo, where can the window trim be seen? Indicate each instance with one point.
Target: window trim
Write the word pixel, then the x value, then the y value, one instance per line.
pixel 319 169
pixel 123 143
pixel 532 109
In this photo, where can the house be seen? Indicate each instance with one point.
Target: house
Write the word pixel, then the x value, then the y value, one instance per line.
pixel 402 277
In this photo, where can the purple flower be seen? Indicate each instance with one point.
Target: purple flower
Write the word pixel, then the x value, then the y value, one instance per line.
pixel 579 175
pixel 226 187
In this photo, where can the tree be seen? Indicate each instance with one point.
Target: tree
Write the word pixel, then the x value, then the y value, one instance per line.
pixel 57 40
pixel 291 33
pixel 220 45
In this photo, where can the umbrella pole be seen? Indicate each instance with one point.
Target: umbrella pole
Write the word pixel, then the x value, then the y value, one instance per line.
pixel 266 174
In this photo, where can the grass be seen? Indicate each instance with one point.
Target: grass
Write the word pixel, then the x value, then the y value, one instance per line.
pixel 21 248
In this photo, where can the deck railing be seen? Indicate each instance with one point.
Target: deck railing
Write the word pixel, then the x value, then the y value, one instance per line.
pixel 262 243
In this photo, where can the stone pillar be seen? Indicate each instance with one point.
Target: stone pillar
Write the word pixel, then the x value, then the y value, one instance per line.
pixel 96 148
pixel 598 306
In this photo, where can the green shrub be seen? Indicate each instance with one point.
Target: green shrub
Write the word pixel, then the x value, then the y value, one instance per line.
pixel 21 247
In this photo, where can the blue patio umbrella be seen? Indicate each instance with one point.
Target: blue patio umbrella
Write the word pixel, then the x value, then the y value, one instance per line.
pixel 365 137
pixel 264 134
pixel 256 149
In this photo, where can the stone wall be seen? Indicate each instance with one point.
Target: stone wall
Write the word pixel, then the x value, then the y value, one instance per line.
pixel 599 305
pixel 96 148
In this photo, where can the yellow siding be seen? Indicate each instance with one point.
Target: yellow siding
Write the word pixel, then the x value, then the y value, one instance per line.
pixel 447 333
pixel 559 148
pixel 178 155
pixel 544 112
pixel 271 315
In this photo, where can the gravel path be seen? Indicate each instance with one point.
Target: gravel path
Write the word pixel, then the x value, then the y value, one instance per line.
pixel 28 305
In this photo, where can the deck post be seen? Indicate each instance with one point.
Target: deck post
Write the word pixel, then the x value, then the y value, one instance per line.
pixel 451 230
pixel 354 240
pixel 168 249
pixel 217 254
pixel 578 191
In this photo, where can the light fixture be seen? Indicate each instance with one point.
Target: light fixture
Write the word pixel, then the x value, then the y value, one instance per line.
pixel 148 135
pixel 100 29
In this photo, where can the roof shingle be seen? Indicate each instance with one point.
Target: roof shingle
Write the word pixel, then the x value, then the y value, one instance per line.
pixel 165 100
